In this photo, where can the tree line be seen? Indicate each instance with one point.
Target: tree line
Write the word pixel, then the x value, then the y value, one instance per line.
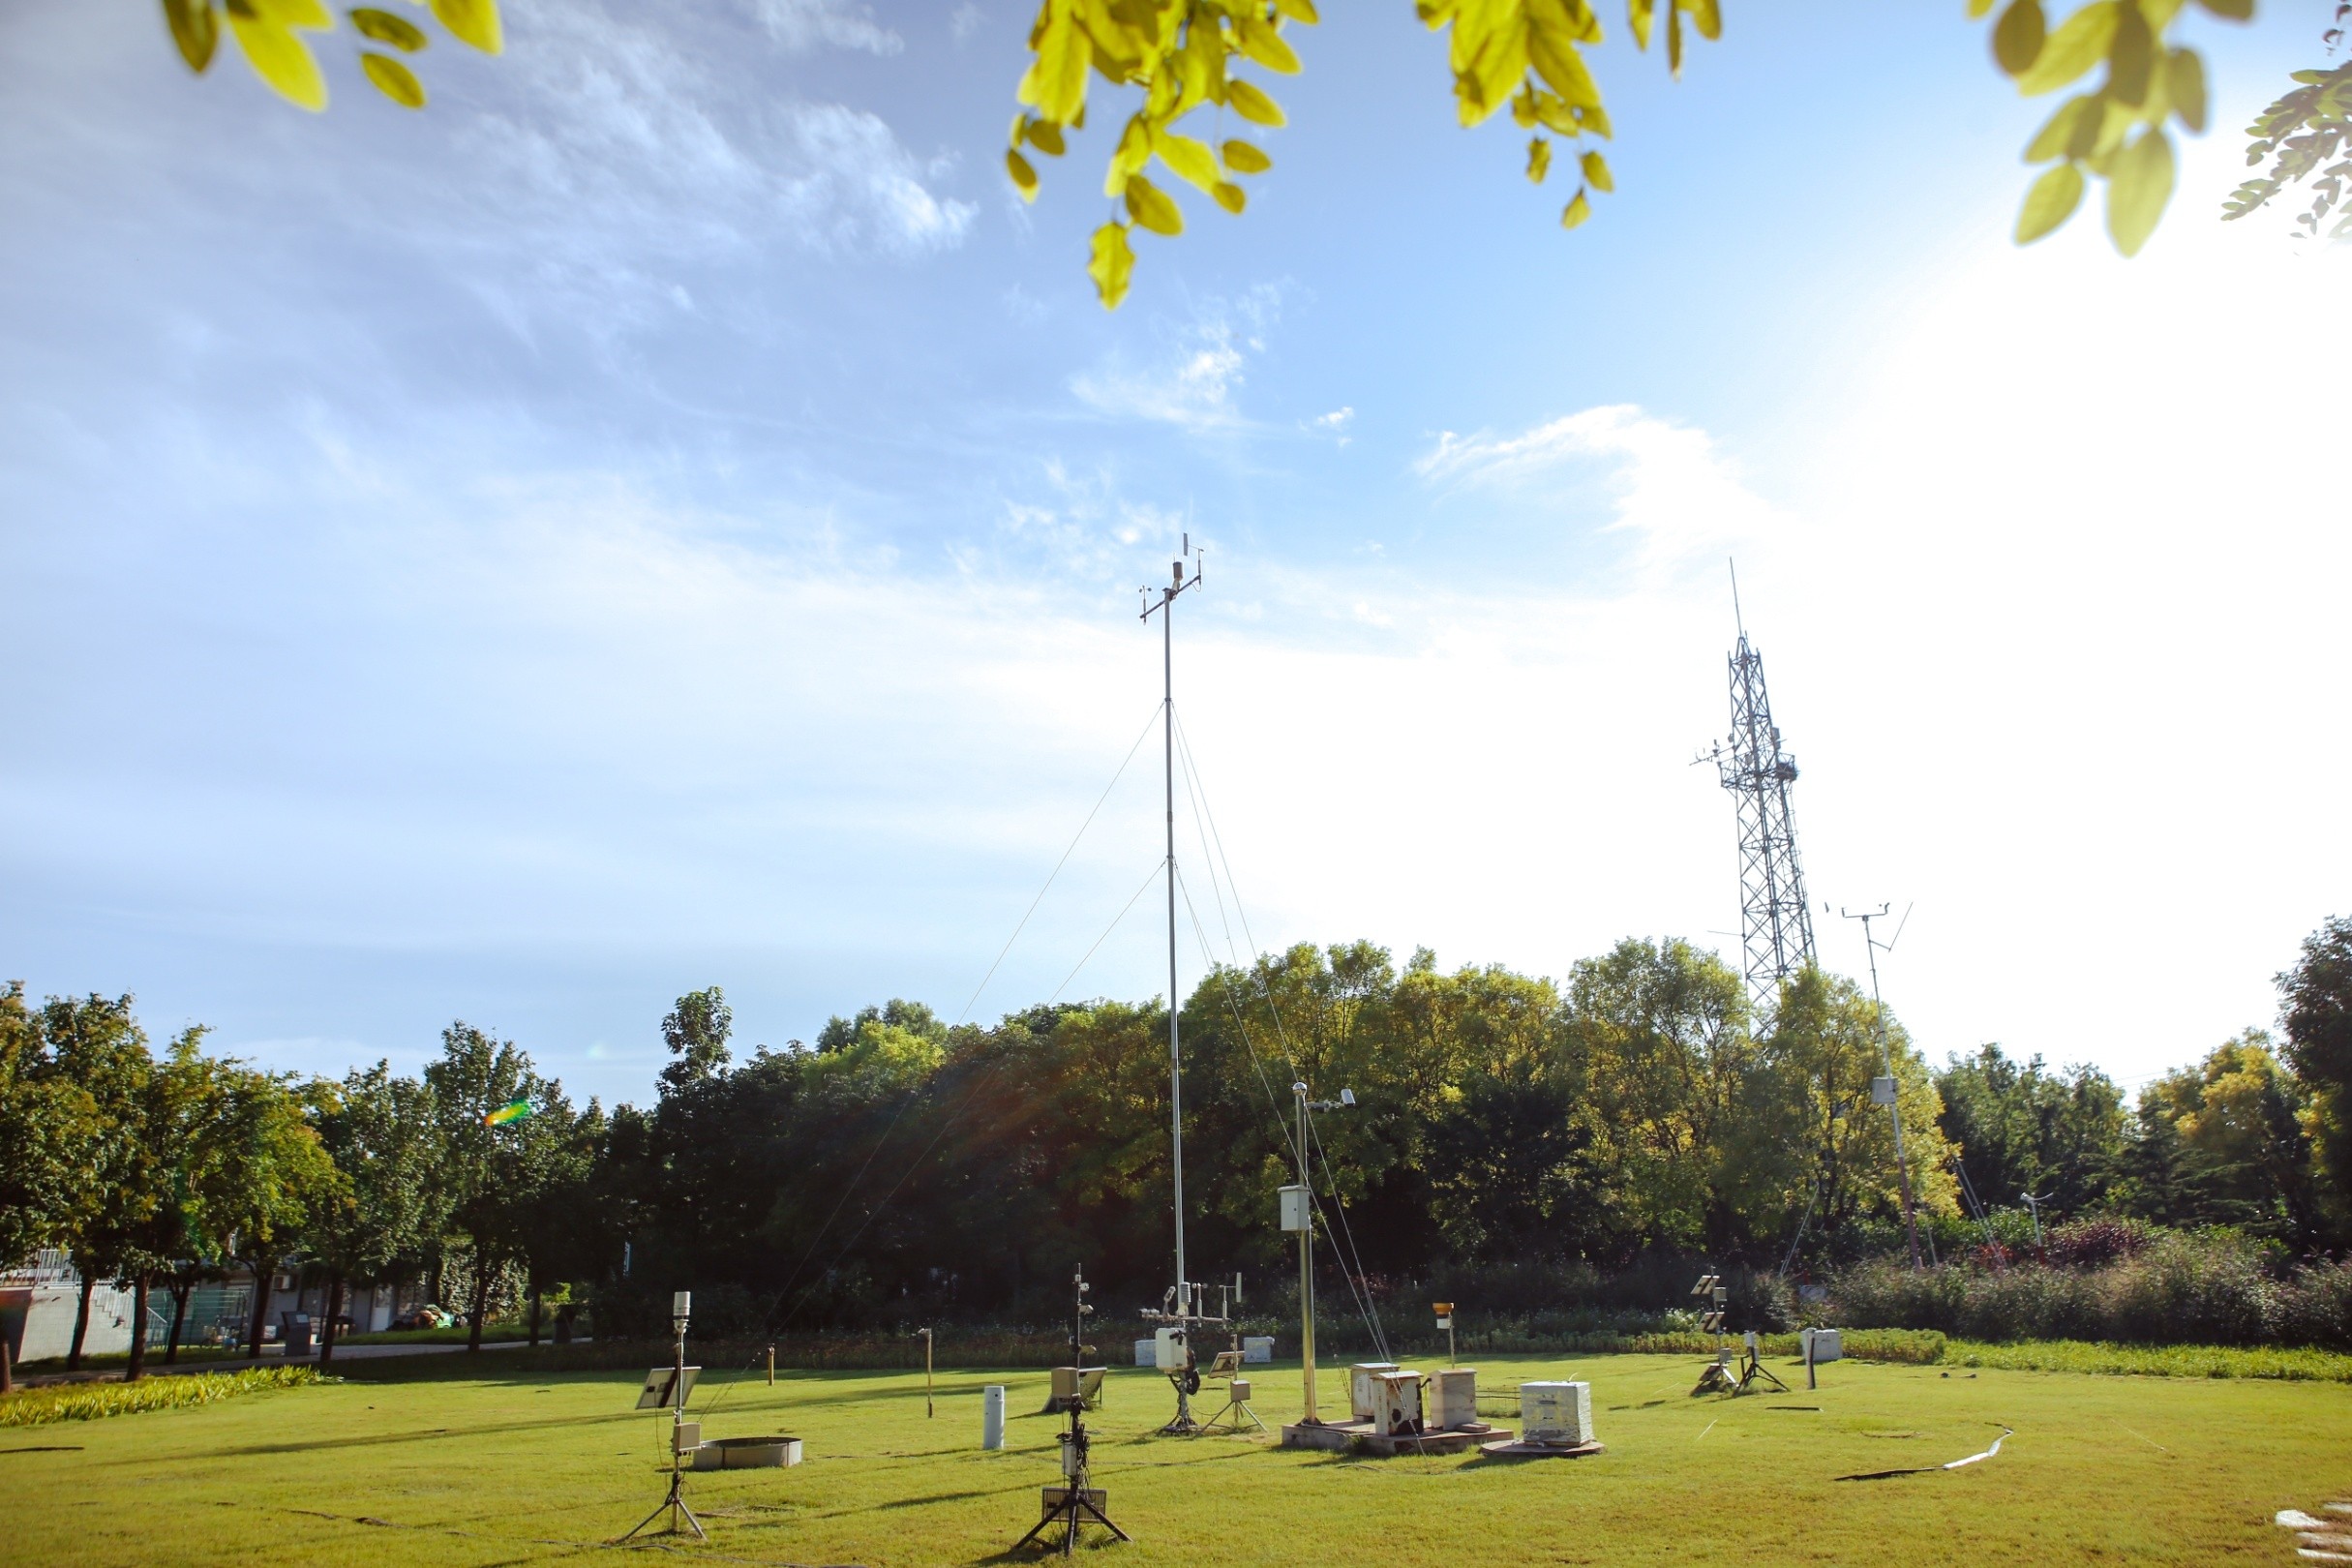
pixel 897 1169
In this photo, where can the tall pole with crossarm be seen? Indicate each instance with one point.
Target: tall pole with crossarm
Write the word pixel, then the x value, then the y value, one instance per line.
pixel 1165 609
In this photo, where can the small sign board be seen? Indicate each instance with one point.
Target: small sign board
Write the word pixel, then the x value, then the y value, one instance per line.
pixel 1882 1091
pixel 661 1390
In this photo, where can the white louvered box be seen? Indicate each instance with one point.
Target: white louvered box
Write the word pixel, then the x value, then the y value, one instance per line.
pixel 1555 1412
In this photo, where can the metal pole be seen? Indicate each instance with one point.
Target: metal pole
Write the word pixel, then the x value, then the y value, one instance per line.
pixel 1167 729
pixel 771 1365
pixel 1306 1264
pixel 929 1409
pixel 1911 1220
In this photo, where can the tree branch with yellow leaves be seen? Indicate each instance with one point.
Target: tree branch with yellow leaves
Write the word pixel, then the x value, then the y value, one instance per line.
pixel 1183 56
pixel 269 35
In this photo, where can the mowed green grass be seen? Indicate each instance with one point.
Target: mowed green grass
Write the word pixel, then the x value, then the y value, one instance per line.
pixel 513 1467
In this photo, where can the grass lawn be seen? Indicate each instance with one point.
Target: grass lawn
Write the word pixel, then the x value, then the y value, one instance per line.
pixel 493 1464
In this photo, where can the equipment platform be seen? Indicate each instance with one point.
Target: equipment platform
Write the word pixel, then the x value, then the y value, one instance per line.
pixel 1359 1437
pixel 1507 1449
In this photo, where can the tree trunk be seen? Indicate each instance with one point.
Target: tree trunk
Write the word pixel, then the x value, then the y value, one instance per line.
pixel 441 1266
pixel 481 1303
pixel 334 1309
pixel 7 1367
pixel 139 1329
pixel 535 1318
pixel 81 1317
pixel 261 1280
pixel 180 1292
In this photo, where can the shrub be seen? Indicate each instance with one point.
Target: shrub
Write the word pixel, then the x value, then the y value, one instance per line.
pixel 2095 1243
pixel 2211 1287
pixel 92 1401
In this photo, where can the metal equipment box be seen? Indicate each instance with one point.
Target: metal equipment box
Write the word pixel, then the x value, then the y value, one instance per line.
pixel 1555 1412
pixel 1298 1208
pixel 1257 1347
pixel 1144 1356
pixel 1452 1396
pixel 1397 1403
pixel 1359 1386
pixel 1167 1349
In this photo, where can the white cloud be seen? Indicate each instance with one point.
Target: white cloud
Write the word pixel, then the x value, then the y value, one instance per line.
pixel 1197 377
pixel 634 144
pixel 865 190
pixel 1334 423
pixel 1671 488
pixel 966 20
pixel 804 24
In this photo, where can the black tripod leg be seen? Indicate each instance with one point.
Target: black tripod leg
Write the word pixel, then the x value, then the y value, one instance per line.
pixel 1102 1519
pixel 1035 1530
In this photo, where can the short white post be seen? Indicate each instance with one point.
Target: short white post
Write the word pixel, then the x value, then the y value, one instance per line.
pixel 992 1416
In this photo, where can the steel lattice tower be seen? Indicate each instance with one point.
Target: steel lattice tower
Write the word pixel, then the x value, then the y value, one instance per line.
pixel 1776 923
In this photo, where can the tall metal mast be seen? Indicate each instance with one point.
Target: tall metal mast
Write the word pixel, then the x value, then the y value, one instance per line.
pixel 1165 609
pixel 1776 923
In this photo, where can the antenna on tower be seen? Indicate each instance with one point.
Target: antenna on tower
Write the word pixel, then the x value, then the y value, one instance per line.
pixel 1776 922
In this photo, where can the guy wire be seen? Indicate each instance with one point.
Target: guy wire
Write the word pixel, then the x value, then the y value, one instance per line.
pixel 986 1078
pixel 912 1094
pixel 1346 1231
pixel 1364 1308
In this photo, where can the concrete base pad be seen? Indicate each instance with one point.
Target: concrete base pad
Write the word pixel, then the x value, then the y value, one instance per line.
pixel 1359 1437
pixel 1507 1449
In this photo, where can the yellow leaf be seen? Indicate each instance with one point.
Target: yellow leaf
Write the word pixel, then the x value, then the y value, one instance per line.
pixel 1262 44
pixel 1977 7
pixel 386 28
pixel 394 81
pixel 2050 201
pixel 2080 42
pixel 1706 16
pixel 278 57
pixel 1298 11
pixel 2063 132
pixel 1191 158
pixel 2187 79
pixel 1576 212
pixel 1024 177
pixel 1047 137
pixel 1245 157
pixel 1673 42
pixel 1253 104
pixel 311 16
pixel 1151 207
pixel 1110 263
pixel 1539 160
pixel 2138 191
pixel 1638 13
pixel 1596 173
pixel 2018 37
pixel 476 23
pixel 1134 150
pixel 195 29
pixel 1552 49
pixel 1056 81
pixel 1230 197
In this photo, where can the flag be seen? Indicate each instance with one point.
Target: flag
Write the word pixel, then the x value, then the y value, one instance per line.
pixel 514 1110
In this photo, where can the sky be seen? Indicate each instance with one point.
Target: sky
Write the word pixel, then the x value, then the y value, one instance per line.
pixel 668 515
